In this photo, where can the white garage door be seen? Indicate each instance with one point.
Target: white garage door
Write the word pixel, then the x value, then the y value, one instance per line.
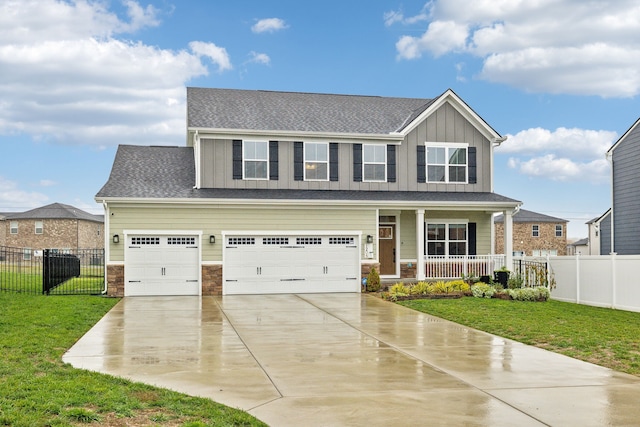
pixel 162 265
pixel 291 264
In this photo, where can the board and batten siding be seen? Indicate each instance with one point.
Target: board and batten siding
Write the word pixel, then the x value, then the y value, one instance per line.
pixel 215 219
pixel 445 125
pixel 626 195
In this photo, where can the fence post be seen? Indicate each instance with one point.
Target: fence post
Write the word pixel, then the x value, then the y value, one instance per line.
pixel 45 271
pixel 613 280
pixel 578 278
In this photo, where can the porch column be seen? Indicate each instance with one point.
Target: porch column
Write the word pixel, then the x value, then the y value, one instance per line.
pixel 508 239
pixel 420 244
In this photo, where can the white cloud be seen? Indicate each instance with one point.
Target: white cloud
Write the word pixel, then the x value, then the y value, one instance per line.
pixel 47 183
pixel 259 58
pixel 560 155
pixel 269 25
pixel 218 55
pixel 66 77
pixel 562 169
pixel 14 199
pixel 581 143
pixel 555 46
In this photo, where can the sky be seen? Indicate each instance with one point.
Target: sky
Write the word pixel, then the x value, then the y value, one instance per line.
pixel 559 78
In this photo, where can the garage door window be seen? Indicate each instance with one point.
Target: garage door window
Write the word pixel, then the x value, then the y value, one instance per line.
pixel 242 241
pixel 275 240
pixel 308 240
pixel 181 241
pixel 341 240
pixel 145 240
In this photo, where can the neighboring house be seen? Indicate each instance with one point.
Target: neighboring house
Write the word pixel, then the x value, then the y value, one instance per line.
pixel 534 234
pixel 579 247
pixel 597 228
pixel 280 192
pixel 623 219
pixel 55 226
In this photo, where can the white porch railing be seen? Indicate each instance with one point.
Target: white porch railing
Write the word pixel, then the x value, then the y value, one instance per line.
pixel 457 266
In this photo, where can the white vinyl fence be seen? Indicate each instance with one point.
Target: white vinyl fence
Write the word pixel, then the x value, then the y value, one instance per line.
pixel 611 281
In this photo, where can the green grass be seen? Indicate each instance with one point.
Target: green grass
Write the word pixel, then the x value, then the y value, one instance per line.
pixel 37 389
pixel 606 337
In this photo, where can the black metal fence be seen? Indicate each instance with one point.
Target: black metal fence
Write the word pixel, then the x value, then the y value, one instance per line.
pixel 532 273
pixel 52 271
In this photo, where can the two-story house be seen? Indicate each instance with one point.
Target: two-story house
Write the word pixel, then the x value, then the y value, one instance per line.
pixel 280 192
pixel 620 227
pixel 534 234
pixel 54 226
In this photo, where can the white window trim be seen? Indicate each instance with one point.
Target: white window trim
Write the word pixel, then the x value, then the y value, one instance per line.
pixel 11 228
pixel 447 223
pixel 447 146
pixel 35 226
pixel 559 227
pixel 535 232
pixel 364 163
pixel 255 160
pixel 305 161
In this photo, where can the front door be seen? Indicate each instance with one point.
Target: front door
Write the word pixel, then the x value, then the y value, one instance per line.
pixel 387 239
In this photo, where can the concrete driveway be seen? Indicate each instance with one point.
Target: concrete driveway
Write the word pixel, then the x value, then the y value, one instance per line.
pixel 349 359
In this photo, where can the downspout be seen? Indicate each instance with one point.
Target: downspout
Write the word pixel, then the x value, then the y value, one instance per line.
pixel 612 240
pixel 196 155
pixel 106 233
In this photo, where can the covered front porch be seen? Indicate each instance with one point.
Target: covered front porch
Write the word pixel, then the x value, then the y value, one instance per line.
pixel 435 244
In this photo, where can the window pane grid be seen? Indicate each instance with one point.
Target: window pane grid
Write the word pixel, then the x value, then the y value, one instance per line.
pixel 446 164
pixel 446 239
pixel 255 159
pixel 316 165
pixel 374 163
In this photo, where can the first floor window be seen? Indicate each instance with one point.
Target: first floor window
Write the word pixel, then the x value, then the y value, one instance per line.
pixel 27 254
pixel 255 159
pixel 535 230
pixel 316 161
pixel 559 230
pixel 447 164
pixel 374 163
pixel 39 227
pixel 13 227
pixel 446 239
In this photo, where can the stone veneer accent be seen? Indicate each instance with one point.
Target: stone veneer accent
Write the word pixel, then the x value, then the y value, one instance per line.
pixel 211 280
pixel 407 272
pixel 115 280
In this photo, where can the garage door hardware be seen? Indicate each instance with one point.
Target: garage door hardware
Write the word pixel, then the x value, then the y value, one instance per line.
pixel 292 280
pixel 135 281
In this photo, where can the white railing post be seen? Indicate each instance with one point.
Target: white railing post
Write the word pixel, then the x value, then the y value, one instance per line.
pixel 420 268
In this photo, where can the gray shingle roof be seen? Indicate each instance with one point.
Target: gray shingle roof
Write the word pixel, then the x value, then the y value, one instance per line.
pixel 302 112
pixel 524 215
pixel 56 211
pixel 169 172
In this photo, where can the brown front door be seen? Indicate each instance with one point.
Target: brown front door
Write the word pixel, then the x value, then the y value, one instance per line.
pixel 387 239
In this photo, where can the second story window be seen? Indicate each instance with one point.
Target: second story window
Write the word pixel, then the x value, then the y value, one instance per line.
pixel 535 230
pixel 39 227
pixel 255 159
pixel 13 226
pixel 374 163
pixel 447 164
pixel 316 161
pixel 558 230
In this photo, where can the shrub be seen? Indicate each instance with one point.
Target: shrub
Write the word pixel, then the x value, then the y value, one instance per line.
pixel 459 286
pixel 441 287
pixel 515 281
pixel 538 293
pixel 482 290
pixel 421 288
pixel 373 281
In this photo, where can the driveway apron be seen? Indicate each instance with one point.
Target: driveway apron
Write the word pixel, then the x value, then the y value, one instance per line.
pixel 348 360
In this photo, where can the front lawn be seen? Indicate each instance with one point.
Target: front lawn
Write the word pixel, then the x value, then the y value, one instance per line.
pixel 37 389
pixel 602 336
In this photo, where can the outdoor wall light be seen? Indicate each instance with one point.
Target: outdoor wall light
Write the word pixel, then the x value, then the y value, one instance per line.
pixel 116 238
pixel 369 238
pixel 212 239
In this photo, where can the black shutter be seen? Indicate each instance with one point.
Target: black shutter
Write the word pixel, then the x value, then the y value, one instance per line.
pixel 333 161
pixel 273 160
pixel 298 161
pixel 391 163
pixel 422 163
pixel 473 166
pixel 357 162
pixel 237 159
pixel 471 229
